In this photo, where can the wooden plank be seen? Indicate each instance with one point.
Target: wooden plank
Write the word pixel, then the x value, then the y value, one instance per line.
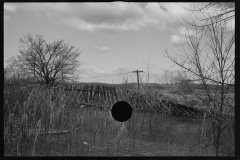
pixel 66 89
pixel 111 95
pixel 101 95
pixel 101 98
pixel 91 94
pixel 104 93
pixel 96 94
pixel 71 90
pixel 115 93
pixel 108 95
pixel 85 93
pixel 76 90
pixel 79 92
pixel 100 92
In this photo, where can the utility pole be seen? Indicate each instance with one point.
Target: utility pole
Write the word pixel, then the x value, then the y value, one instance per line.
pixel 138 77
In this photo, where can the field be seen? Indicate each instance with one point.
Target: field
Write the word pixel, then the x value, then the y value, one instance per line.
pixel 39 122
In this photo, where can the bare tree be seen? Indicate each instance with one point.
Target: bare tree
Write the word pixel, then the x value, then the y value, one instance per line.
pixel 212 12
pixel 209 57
pixel 47 62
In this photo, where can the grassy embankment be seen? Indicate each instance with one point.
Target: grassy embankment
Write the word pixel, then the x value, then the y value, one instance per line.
pixel 39 122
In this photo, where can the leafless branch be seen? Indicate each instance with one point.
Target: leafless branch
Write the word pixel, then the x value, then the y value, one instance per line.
pixel 48 62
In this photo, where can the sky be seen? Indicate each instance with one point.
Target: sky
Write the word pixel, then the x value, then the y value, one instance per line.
pixel 117 37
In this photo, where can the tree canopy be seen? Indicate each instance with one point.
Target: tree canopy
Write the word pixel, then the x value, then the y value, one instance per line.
pixel 47 62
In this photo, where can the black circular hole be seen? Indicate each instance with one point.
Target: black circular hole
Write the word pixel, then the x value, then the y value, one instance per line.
pixel 121 111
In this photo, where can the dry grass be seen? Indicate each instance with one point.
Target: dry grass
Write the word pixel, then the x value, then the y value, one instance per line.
pixel 40 122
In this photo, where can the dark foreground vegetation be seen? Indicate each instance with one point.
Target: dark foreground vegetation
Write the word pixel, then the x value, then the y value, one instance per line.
pixel 40 122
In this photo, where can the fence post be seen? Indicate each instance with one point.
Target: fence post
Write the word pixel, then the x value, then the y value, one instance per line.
pixel 90 95
pixel 91 90
pixel 96 94
pixel 111 95
pixel 85 93
pixel 108 98
pixel 103 93
pixel 115 93
pixel 79 91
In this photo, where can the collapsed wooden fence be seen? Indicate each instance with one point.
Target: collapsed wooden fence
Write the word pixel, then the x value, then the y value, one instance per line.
pixel 93 95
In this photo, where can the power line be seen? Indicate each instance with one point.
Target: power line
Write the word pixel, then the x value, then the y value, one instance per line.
pixel 152 73
pixel 116 75
pixel 105 75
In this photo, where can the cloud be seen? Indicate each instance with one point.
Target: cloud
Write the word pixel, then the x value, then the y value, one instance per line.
pixel 97 71
pixel 182 35
pixel 86 26
pixel 10 7
pixel 119 16
pixel 88 72
pixel 175 40
pixel 104 49
pixel 114 16
pixel 79 24
pixel 119 70
pixel 98 49
pixel 115 12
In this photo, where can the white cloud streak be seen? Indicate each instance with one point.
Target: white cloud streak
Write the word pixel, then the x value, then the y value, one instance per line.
pixel 98 49
pixel 115 16
pixel 175 40
pixel 86 72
